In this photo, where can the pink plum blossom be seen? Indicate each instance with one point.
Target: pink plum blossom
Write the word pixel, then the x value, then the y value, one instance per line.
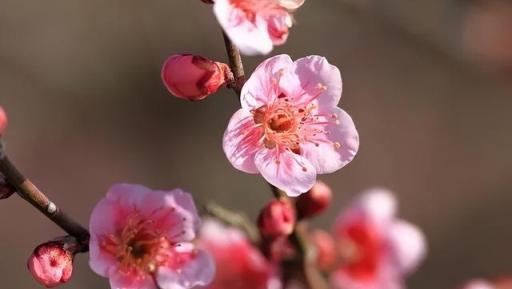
pixel 3 121
pixel 240 265
pixel 377 250
pixel 289 128
pixel 140 239
pixel 255 26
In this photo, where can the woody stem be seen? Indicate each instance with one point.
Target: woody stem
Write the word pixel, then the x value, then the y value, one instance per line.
pixel 30 193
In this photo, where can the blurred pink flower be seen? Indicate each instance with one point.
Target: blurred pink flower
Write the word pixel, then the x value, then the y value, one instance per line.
pixel 51 264
pixel 240 265
pixel 376 249
pixel 277 219
pixel 499 283
pixel 3 121
pixel 289 128
pixel 255 26
pixel 140 240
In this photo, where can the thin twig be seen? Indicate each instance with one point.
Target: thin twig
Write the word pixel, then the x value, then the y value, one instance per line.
pixel 29 192
pixel 236 65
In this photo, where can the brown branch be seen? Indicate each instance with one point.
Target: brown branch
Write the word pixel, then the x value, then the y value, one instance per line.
pixel 236 65
pixel 29 192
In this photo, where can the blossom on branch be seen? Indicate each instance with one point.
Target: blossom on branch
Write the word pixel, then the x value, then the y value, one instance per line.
pixel 140 239
pixel 376 249
pixel 289 128
pixel 240 265
pixel 255 26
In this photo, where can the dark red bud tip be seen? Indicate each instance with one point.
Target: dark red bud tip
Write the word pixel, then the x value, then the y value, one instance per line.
pixel 6 190
pixel 51 264
pixel 193 77
pixel 3 121
pixel 208 1
pixel 315 201
pixel 277 219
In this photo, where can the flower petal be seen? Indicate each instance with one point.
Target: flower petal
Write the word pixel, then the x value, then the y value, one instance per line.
pixel 332 151
pixel 287 171
pixel 241 141
pixel 199 271
pixel 408 245
pixel 316 74
pixel 478 284
pixel 291 4
pixel 118 280
pixel 179 220
pixel 251 37
pixel 127 195
pixel 263 86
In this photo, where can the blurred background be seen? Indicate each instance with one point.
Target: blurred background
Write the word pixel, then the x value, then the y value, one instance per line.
pixel 428 83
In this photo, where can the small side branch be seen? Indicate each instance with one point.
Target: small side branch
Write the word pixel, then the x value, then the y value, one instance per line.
pixel 29 192
pixel 236 65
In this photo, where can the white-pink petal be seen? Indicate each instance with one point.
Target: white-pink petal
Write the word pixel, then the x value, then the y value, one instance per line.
pixel 197 272
pixel 407 244
pixel 260 88
pixel 118 280
pixel 334 150
pixel 250 37
pixel 241 141
pixel 287 171
pixel 315 72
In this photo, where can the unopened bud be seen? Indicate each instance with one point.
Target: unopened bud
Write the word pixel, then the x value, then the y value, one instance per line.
pixel 193 77
pixel 325 250
pixel 277 219
pixel 6 190
pixel 315 201
pixel 51 264
pixel 208 1
pixel 3 121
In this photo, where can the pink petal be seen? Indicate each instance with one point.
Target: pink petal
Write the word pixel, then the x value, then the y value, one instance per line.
pixel 408 245
pixel 118 280
pixel 241 141
pixel 173 211
pixel 291 4
pixel 250 37
pixel 127 195
pixel 377 204
pixel 385 280
pixel 324 153
pixel 100 261
pixel 478 284
pixel 185 222
pixel 289 172
pixel 315 71
pixel 197 272
pixel 260 88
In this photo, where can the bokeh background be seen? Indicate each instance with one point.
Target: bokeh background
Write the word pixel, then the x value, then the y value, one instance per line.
pixel 428 84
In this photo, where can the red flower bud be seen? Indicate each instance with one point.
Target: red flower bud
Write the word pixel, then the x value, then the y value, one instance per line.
pixel 193 77
pixel 208 1
pixel 6 190
pixel 51 264
pixel 3 121
pixel 325 250
pixel 277 219
pixel 315 201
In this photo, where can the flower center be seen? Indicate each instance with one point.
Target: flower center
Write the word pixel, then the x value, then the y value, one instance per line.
pixel 138 247
pixel 360 250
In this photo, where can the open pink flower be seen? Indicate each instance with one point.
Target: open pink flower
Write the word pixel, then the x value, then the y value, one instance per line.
pixel 240 265
pixel 376 249
pixel 255 26
pixel 289 128
pixel 140 240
